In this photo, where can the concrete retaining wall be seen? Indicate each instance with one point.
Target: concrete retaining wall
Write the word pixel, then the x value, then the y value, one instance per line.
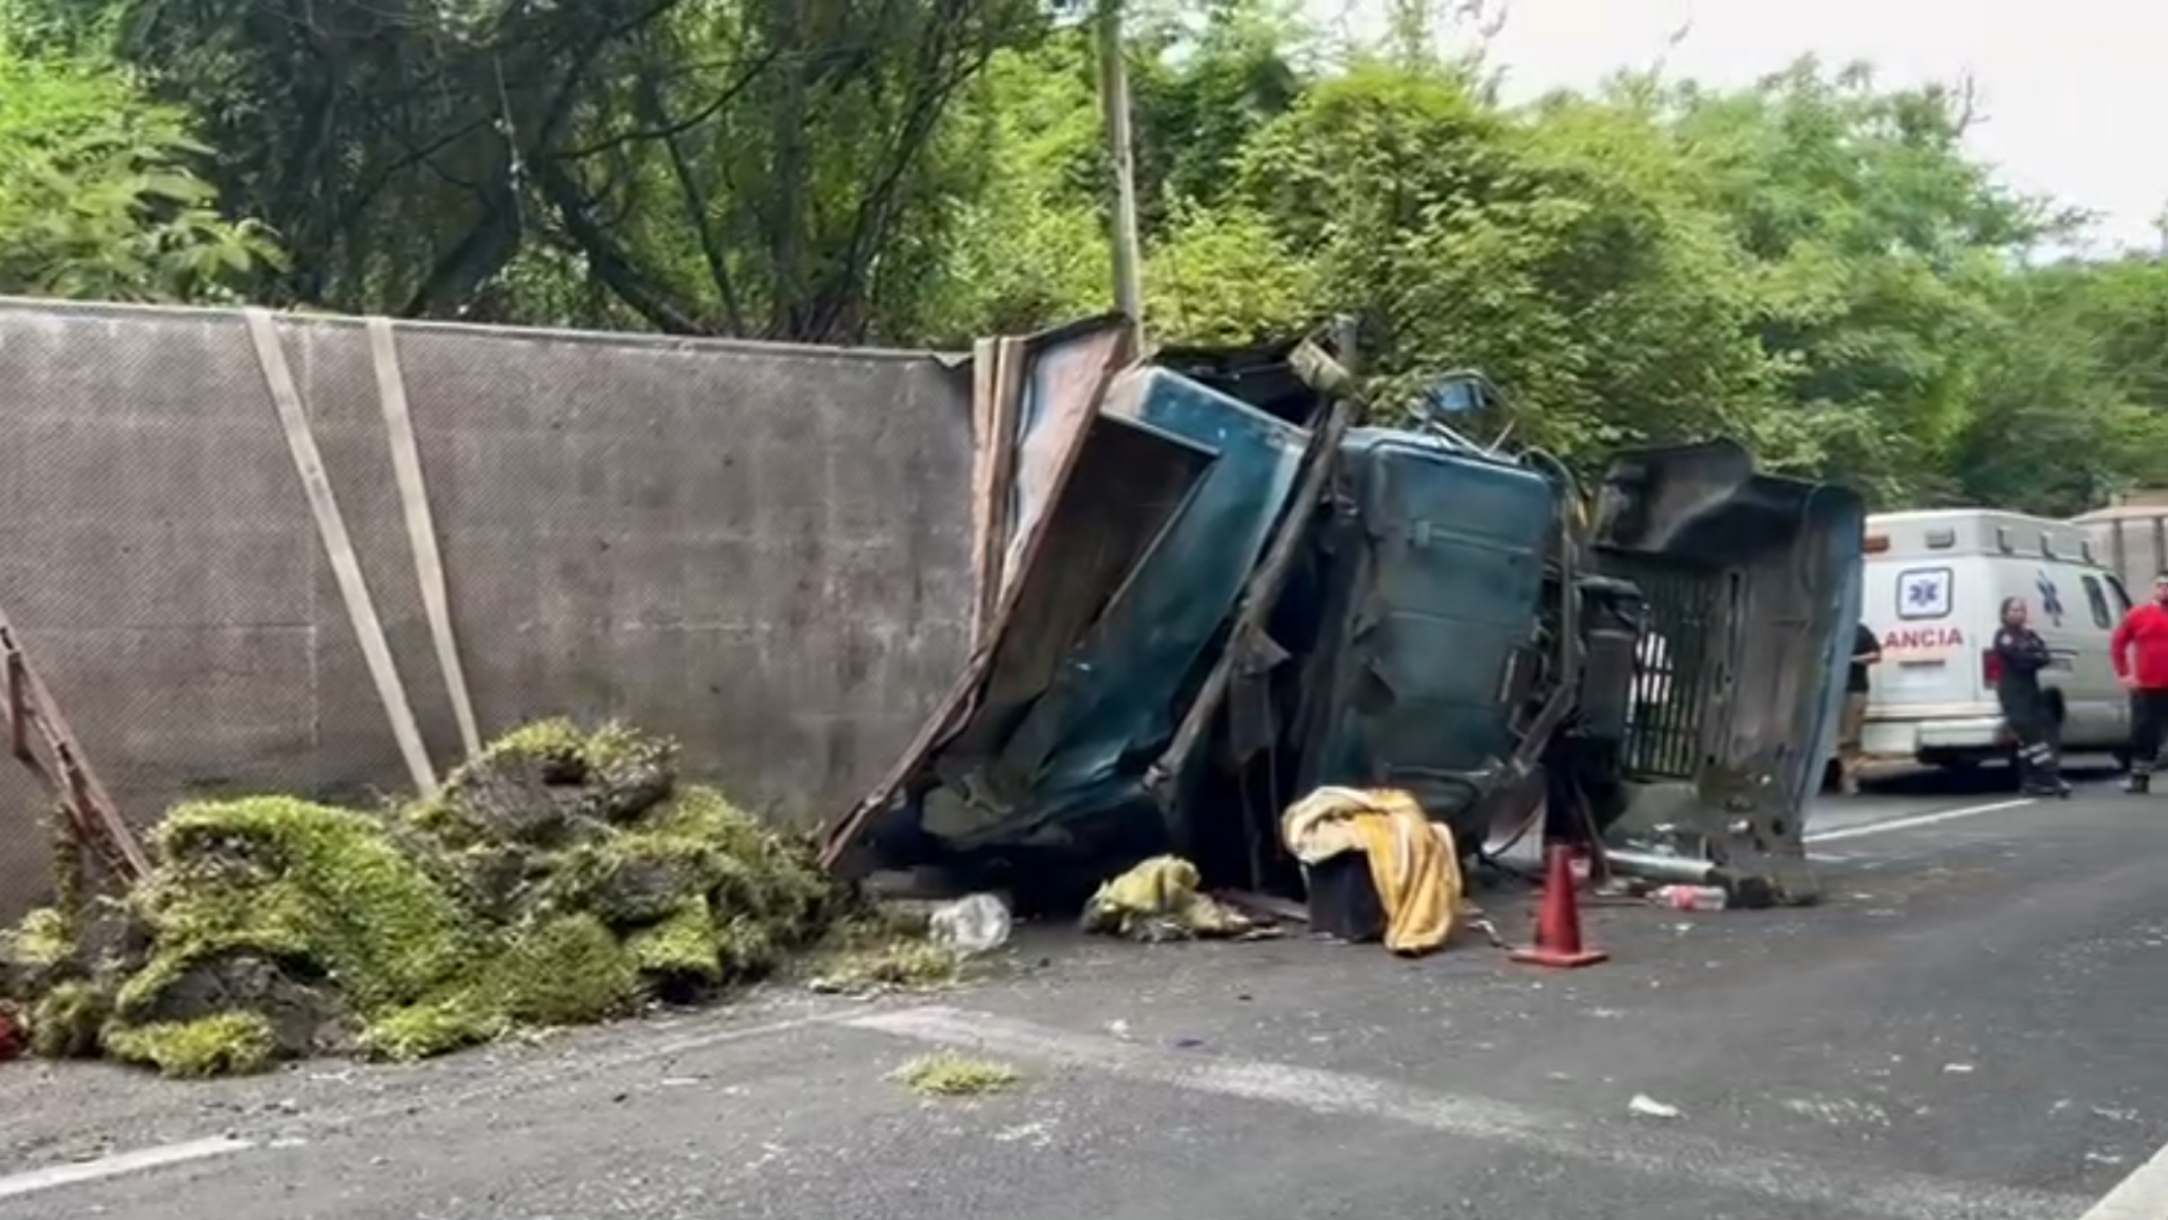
pixel 762 550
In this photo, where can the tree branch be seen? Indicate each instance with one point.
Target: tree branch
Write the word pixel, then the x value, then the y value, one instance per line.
pixel 469 264
pixel 696 208
pixel 708 110
pixel 607 260
pixel 877 208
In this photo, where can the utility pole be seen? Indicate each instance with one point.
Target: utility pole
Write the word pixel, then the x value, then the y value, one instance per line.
pixel 1121 151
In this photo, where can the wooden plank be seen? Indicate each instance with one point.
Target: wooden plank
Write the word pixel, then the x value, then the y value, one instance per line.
pixel 339 547
pixel 984 443
pixel 1008 410
pixel 406 464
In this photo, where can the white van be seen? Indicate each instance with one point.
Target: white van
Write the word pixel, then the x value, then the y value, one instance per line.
pixel 1934 585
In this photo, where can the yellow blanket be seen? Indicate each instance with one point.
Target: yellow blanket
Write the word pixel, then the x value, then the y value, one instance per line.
pixel 1412 861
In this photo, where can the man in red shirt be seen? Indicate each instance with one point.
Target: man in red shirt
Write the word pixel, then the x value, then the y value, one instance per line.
pixel 2140 649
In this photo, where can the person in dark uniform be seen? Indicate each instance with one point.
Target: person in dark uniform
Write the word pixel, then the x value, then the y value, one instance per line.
pixel 2020 655
pixel 1852 722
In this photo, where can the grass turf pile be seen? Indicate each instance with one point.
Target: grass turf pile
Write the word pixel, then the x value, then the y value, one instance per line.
pixel 560 877
pixel 948 1074
pixel 549 824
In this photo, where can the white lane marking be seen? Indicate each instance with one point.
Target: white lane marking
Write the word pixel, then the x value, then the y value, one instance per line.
pixel 1669 1154
pixel 2141 1196
pixel 1924 819
pixel 54 1176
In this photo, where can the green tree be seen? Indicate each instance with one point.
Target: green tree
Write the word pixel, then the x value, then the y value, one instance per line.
pixel 1553 249
pixel 765 167
pixel 1206 78
pixel 99 196
pixel 1876 247
pixel 1028 246
pixel 2074 368
pixel 1032 245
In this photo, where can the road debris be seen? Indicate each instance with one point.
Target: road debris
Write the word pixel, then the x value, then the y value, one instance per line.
pixel 1410 862
pixel 974 924
pixel 1648 1107
pixel 869 959
pixel 948 1074
pixel 1265 906
pixel 1158 900
pixel 1690 897
pixel 1839 1112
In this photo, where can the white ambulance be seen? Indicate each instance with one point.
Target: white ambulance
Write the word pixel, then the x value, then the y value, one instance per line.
pixel 1933 588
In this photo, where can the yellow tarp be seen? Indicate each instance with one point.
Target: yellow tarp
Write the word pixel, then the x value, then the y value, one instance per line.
pixel 1413 863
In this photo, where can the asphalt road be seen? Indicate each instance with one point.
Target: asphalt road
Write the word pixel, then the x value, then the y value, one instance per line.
pixel 1970 1028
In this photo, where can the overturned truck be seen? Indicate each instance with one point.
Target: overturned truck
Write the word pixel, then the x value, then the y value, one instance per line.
pixel 1206 590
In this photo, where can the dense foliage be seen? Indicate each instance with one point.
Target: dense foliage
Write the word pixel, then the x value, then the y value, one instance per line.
pixel 1813 264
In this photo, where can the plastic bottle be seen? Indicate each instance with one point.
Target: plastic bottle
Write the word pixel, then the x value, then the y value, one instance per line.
pixel 977 924
pixel 1692 897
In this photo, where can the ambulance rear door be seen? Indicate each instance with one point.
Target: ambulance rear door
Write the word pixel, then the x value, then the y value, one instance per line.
pixel 1933 616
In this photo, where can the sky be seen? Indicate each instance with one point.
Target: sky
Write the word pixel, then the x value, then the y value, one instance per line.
pixel 2071 94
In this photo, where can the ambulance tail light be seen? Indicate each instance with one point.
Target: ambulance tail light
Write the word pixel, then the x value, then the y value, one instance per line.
pixel 1990 667
pixel 1875 544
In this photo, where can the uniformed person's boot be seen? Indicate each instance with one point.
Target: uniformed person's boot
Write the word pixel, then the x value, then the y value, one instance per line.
pixel 2140 782
pixel 2028 772
pixel 2051 778
pixel 2054 776
pixel 2036 772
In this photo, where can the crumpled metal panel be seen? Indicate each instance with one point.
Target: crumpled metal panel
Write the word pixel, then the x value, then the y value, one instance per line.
pixel 1117 692
pixel 1779 557
pixel 1026 765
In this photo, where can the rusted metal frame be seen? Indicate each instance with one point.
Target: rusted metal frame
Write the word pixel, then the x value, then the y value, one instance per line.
pixel 68 777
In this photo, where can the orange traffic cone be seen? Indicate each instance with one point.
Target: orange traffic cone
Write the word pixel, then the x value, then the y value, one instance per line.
pixel 1558 925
